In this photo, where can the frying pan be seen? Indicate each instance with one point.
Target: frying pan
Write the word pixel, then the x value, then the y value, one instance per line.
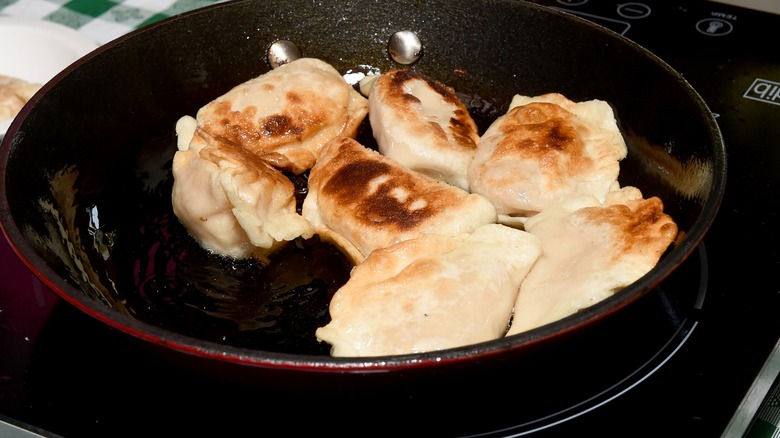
pixel 86 172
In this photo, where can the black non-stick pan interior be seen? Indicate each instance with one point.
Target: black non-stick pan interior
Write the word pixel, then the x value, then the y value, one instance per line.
pixel 87 166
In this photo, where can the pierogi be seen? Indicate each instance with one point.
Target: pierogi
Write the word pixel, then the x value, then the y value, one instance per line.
pixel 362 201
pixel 14 94
pixel 590 250
pixel 431 293
pixel 229 190
pixel 422 124
pixel 544 150
pixel 229 199
pixel 287 114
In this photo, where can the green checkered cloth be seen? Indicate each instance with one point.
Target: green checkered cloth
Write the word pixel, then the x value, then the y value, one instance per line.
pixel 100 20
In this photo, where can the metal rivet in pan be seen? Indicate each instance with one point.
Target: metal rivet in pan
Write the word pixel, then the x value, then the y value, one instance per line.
pixel 404 47
pixel 281 52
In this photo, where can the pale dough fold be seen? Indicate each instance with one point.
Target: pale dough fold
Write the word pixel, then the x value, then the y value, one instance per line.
pixel 589 252
pixel 431 293
pixel 230 200
pixel 14 94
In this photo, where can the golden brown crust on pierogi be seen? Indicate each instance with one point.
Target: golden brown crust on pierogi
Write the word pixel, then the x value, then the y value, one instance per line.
pixel 544 150
pixel 422 124
pixel 373 201
pixel 292 110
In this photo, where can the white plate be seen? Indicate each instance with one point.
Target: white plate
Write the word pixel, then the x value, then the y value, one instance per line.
pixel 36 50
